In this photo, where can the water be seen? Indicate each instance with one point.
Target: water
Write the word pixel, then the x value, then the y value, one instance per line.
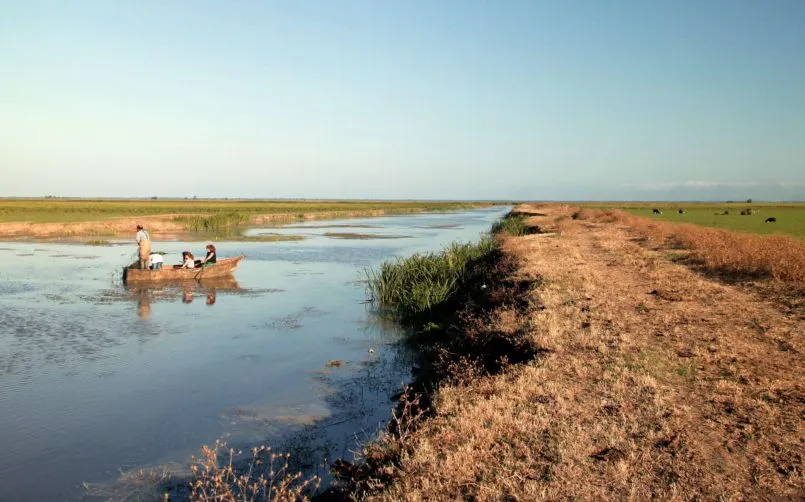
pixel 98 379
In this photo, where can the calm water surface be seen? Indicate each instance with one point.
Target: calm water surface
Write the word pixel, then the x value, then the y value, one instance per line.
pixel 98 379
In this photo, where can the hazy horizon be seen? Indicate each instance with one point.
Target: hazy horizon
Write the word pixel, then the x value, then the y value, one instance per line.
pixel 456 100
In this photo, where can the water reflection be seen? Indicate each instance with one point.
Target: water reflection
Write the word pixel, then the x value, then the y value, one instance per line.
pixel 147 294
pixel 45 335
pixel 143 304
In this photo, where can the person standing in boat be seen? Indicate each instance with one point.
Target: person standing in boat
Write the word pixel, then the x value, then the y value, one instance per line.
pixel 144 245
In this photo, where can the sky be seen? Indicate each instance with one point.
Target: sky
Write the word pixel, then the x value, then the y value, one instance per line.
pixel 453 99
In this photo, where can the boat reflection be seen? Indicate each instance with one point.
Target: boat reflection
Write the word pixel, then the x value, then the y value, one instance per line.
pixel 188 291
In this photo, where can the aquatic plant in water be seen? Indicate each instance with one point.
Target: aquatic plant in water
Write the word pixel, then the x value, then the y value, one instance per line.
pixel 422 282
pixel 512 224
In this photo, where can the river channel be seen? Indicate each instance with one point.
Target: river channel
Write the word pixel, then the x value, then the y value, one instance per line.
pixel 98 380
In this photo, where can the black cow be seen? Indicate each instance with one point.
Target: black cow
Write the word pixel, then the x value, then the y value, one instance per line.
pixel 771 220
pixel 656 211
pixel 681 211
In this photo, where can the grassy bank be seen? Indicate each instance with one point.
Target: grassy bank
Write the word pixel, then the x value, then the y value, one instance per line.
pixel 425 287
pixel 53 218
pixel 78 210
pixel 722 252
pixel 740 217
pixel 466 308
pixel 652 381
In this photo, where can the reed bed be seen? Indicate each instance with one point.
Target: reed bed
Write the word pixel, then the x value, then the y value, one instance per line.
pixel 75 210
pixel 422 284
pixel 219 223
pixel 512 224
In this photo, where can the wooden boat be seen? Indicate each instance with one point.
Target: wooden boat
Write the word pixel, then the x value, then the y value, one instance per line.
pixel 222 268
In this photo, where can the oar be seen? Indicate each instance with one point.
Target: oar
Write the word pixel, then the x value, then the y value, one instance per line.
pixel 200 273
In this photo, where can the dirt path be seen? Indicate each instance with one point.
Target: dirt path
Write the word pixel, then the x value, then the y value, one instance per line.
pixel 657 382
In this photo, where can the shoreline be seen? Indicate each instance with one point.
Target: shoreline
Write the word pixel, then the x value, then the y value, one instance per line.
pixel 629 380
pixel 166 227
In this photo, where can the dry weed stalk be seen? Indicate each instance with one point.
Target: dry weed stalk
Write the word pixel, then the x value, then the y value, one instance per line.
pixel 377 464
pixel 265 476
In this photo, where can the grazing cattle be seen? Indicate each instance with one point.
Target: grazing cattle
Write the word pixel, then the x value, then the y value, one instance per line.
pixel 771 220
pixel 681 211
pixel 656 211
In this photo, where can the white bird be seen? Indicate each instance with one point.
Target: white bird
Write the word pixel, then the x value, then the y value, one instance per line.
pixel 371 351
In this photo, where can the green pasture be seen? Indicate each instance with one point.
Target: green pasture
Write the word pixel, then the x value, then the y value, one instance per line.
pixel 75 210
pixel 790 216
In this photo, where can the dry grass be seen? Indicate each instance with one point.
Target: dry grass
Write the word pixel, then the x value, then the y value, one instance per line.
pixel 264 476
pixel 478 331
pixel 654 383
pixel 722 251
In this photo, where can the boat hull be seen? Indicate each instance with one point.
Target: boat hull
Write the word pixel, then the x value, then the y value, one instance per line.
pixel 222 268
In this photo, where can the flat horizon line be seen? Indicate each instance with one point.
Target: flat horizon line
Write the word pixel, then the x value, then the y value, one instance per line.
pixel 470 200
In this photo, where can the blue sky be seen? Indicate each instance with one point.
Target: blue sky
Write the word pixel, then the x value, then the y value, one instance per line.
pixel 407 99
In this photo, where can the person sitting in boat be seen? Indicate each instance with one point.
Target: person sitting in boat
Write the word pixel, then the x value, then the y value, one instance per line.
pixel 187 260
pixel 209 259
pixel 155 261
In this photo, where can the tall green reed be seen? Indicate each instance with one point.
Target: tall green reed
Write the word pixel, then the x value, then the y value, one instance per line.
pixel 221 223
pixel 422 283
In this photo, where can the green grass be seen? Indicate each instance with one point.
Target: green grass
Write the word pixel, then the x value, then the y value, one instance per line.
pixel 512 224
pixel 790 217
pixel 76 210
pixel 218 223
pixel 419 285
